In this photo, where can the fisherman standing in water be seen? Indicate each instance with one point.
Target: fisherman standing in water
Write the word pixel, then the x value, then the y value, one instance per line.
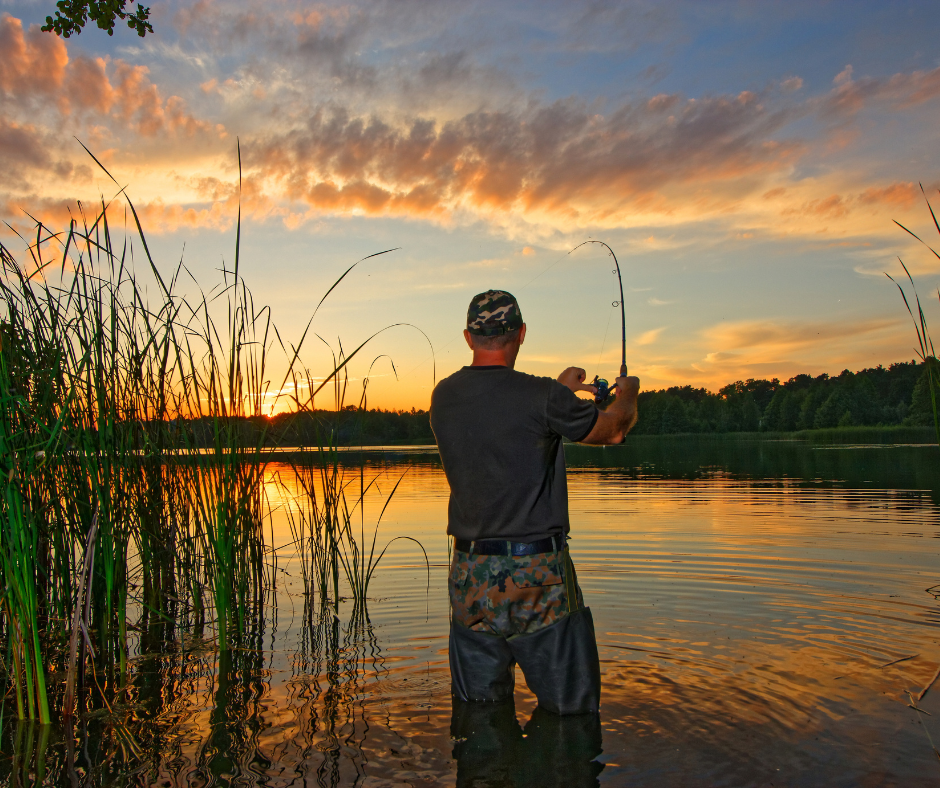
pixel 513 590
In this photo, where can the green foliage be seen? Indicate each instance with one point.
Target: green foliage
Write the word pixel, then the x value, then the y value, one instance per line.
pixel 872 397
pixel 352 427
pixel 72 16
pixel 133 456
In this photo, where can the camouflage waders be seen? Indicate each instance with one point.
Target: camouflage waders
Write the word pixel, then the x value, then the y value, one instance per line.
pixel 525 609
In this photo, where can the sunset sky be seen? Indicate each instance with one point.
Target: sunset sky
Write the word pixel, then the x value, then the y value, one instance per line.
pixel 744 160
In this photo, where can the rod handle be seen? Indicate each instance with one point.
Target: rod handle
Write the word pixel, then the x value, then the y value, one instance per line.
pixel 623 370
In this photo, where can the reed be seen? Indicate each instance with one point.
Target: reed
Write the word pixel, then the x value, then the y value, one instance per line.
pixel 925 351
pixel 132 456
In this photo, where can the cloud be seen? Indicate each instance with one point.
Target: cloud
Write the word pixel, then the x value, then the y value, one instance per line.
pixel 22 146
pixel 902 91
pixel 658 302
pixel 838 206
pixel 36 69
pixel 560 160
pixel 48 97
pixel 772 338
pixel 155 216
pixel 896 194
pixel 32 62
pixel 649 337
pixel 782 348
pixel 436 132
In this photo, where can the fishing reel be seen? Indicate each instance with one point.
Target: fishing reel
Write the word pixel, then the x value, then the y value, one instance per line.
pixel 604 390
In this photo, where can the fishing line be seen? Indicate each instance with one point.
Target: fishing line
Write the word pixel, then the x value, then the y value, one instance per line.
pixel 546 270
pixel 602 391
pixel 518 290
pixel 597 369
pixel 623 314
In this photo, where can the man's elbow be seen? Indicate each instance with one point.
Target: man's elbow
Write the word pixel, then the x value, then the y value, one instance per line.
pixel 619 433
pixel 610 429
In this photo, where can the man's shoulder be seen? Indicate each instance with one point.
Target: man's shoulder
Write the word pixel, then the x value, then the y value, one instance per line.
pixel 482 387
pixel 508 377
pixel 531 382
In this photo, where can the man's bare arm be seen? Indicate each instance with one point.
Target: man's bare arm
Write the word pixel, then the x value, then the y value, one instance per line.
pixel 615 422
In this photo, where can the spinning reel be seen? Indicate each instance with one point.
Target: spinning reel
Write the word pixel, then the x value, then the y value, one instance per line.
pixel 604 390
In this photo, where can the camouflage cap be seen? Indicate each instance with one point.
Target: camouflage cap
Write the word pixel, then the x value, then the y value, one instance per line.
pixel 493 313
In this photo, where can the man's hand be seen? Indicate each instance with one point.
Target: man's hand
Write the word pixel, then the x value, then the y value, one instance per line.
pixel 612 424
pixel 573 378
pixel 629 386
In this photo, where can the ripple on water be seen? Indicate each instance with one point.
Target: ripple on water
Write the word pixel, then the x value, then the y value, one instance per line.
pixel 751 632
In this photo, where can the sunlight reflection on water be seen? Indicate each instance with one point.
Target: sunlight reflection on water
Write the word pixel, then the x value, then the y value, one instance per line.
pixel 743 622
pixel 747 602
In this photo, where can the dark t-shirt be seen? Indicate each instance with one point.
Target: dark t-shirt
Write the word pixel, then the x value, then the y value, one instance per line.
pixel 499 434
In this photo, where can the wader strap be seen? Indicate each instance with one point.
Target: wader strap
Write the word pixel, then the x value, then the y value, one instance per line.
pixel 571 583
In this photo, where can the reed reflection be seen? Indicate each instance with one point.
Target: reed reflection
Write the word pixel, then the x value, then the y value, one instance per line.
pixel 189 714
pixel 327 691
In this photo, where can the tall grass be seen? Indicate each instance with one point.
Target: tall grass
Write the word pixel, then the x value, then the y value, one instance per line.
pixel 132 453
pixel 925 349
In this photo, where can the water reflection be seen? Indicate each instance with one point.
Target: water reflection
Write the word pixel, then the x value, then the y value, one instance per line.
pixel 492 749
pixel 751 602
pixel 698 457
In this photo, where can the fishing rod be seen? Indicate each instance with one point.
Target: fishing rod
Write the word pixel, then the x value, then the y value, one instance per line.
pixel 603 388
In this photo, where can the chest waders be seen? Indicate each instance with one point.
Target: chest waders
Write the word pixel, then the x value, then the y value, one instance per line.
pixel 560 661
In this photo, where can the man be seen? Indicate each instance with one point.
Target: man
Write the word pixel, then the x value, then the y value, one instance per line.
pixel 513 590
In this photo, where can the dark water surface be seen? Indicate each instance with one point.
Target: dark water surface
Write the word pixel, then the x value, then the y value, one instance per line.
pixel 748 597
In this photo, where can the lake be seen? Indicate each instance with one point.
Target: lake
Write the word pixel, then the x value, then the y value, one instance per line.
pixel 762 611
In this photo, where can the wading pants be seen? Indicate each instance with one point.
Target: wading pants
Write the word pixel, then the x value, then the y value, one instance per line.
pixel 528 610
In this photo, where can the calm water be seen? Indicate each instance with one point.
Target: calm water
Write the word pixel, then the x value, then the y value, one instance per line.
pixel 748 598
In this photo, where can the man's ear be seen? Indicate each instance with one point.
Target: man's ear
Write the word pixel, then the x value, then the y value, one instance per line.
pixel 522 334
pixel 467 336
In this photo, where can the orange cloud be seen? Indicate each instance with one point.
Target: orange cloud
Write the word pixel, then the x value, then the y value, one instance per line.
pixel 839 206
pixel 832 206
pixel 765 348
pixel 156 216
pixel 559 159
pixel 33 62
pixel 772 338
pixel 900 194
pixel 37 64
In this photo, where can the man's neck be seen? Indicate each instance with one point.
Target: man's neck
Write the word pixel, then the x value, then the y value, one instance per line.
pixel 492 358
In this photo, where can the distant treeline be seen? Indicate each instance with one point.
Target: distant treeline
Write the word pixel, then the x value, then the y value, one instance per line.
pixel 896 395
pixel 881 396
pixel 348 427
pixel 353 427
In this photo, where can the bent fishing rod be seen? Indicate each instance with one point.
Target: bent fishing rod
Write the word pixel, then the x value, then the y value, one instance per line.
pixel 600 384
